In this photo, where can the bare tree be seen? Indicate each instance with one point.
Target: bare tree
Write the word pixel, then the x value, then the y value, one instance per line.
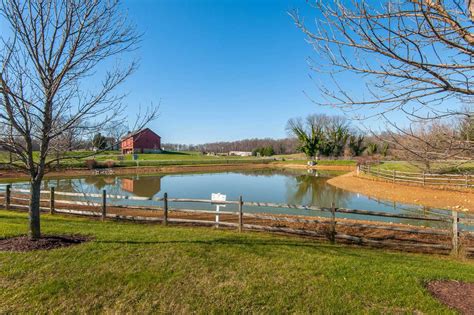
pixel 281 146
pixel 414 53
pixel 428 141
pixel 466 126
pixel 337 133
pixel 116 130
pixel 414 56
pixel 53 48
pixel 310 133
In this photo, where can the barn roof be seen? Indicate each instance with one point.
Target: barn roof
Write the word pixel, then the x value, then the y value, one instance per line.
pixel 136 132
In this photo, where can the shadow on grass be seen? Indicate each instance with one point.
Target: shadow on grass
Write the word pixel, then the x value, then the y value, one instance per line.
pixel 294 241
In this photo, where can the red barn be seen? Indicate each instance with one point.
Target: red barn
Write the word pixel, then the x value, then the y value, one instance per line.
pixel 141 141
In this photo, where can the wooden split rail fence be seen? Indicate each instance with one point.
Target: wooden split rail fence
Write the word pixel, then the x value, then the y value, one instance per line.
pixel 452 221
pixel 423 178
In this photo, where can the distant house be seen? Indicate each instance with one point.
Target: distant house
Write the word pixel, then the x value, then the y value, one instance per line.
pixel 141 141
pixel 240 153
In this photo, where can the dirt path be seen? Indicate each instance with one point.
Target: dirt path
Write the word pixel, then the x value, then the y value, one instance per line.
pixel 434 198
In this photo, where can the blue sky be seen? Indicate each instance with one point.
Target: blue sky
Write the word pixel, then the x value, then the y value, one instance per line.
pixel 223 70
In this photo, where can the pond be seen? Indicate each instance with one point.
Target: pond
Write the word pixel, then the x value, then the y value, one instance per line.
pixel 267 185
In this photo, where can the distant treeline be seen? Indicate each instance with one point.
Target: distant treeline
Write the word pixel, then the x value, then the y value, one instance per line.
pixel 280 146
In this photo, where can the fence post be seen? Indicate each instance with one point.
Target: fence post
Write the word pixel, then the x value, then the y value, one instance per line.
pixel 332 232
pixel 368 169
pixel 394 175
pixel 165 209
pixel 104 204
pixel 424 179
pixel 358 170
pixel 455 239
pixel 467 180
pixel 51 200
pixel 241 214
pixel 8 193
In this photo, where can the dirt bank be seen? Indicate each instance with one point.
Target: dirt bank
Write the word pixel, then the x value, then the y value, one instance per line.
pixel 434 198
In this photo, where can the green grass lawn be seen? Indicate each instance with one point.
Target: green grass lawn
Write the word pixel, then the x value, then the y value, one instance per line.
pixel 322 162
pixel 442 167
pixel 134 268
pixel 300 158
pixel 77 159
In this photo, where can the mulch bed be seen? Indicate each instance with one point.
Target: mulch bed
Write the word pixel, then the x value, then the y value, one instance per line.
pixel 455 294
pixel 24 244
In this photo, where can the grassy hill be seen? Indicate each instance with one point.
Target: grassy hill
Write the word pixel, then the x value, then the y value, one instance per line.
pixel 445 167
pixel 150 268
pixel 78 159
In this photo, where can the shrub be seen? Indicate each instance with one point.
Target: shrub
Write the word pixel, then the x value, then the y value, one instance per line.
pixel 372 148
pixel 263 151
pixel 91 164
pixel 109 164
pixel 384 149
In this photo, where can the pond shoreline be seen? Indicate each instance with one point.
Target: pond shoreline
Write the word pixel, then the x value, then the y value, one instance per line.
pixel 16 176
pixel 429 197
pixel 434 198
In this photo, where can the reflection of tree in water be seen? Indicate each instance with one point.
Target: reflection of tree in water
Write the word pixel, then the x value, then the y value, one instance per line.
pixel 294 172
pixel 143 186
pixel 313 190
pixel 100 182
pixel 90 184
pixel 59 184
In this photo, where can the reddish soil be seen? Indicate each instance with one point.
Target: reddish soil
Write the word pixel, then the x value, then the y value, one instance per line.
pixel 25 244
pixel 429 197
pixel 455 294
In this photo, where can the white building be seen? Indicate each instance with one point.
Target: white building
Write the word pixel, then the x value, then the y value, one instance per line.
pixel 240 153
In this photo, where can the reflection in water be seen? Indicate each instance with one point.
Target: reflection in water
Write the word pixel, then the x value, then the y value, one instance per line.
pixel 312 189
pixel 100 182
pixel 89 184
pixel 147 186
pixel 143 186
pixel 68 184
pixel 266 185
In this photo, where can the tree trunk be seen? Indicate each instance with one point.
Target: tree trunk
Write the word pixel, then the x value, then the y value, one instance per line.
pixel 34 210
pixel 428 165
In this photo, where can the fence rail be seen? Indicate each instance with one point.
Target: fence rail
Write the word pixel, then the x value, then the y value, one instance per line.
pixel 357 229
pixel 423 178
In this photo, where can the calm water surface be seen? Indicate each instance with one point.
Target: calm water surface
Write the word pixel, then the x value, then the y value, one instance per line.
pixel 277 186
